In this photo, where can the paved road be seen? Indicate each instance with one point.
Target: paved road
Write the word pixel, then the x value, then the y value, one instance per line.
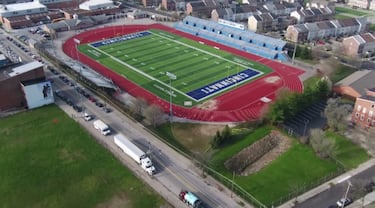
pixel 330 196
pixel 174 172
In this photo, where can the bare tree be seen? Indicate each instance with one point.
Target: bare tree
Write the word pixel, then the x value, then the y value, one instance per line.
pixel 138 105
pixel 154 115
pixel 323 147
pixel 204 159
pixel 336 114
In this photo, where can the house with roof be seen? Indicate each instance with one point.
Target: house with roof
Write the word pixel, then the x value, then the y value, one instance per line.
pixel 326 29
pixel 312 14
pixel 362 45
pixel 281 9
pixel 364 109
pixel 169 5
pixel 297 33
pixel 360 87
pixel 364 4
pixel 198 8
pixel 262 22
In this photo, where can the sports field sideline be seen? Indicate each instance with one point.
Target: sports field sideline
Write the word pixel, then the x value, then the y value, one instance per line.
pixel 201 71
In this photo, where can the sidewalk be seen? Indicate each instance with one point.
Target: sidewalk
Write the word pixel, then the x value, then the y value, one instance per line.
pixel 368 199
pixel 328 184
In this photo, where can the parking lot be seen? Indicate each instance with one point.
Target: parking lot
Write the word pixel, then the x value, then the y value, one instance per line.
pixel 310 118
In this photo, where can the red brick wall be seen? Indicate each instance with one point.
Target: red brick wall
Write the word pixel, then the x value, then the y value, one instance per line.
pixel 11 94
pixel 364 112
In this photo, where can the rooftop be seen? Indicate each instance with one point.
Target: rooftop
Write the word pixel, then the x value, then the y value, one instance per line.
pixel 25 68
pixel 21 6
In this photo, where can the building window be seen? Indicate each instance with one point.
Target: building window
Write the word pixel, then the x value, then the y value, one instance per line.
pixel 364 110
pixel 357 115
pixel 359 108
pixel 369 120
pixel 362 117
pixel 373 105
pixel 370 113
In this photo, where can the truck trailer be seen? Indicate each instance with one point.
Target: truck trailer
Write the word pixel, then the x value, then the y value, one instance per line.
pixel 135 153
pixel 102 127
pixel 190 199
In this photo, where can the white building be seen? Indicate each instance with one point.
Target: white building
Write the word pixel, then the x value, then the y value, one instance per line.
pixel 22 9
pixel 96 4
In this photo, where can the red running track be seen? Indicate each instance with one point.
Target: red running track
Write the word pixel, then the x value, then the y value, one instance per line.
pixel 241 104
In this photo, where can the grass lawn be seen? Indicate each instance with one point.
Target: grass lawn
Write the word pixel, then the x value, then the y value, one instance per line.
pixel 372 27
pixel 146 60
pixel 341 72
pixel 50 161
pixel 288 173
pixel 349 154
pixel 351 11
pixel 340 16
pixel 311 81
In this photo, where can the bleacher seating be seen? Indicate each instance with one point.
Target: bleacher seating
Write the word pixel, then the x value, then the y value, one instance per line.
pixel 248 41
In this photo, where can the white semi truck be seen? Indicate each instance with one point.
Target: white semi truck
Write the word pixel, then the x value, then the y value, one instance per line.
pixel 102 127
pixel 135 153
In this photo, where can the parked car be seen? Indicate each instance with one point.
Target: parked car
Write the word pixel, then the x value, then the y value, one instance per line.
pixel 77 108
pixel 99 104
pixel 92 99
pixel 343 202
pixel 87 117
pixel 107 110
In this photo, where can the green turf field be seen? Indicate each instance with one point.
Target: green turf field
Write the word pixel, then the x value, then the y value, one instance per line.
pixel 146 61
pixel 48 160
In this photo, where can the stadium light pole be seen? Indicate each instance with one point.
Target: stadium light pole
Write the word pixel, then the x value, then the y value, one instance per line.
pixel 170 76
pixel 77 42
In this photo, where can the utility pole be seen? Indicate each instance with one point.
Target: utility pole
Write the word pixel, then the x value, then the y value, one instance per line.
pixel 294 52
pixel 346 194
pixel 170 76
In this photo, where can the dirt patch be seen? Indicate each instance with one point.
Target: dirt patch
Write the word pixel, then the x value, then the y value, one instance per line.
pixel 117 201
pixel 208 105
pixel 195 137
pixel 272 79
pixel 266 159
pixel 209 130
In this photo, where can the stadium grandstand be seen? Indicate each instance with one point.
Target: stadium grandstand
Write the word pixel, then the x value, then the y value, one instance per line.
pixel 248 41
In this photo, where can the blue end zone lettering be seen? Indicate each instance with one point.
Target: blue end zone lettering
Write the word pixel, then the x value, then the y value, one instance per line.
pixel 222 84
pixel 119 39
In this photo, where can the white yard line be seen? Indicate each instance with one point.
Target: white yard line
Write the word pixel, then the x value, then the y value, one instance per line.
pixel 141 72
pixel 192 47
pixel 206 52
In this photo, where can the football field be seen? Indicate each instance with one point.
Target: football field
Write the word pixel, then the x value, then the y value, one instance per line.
pixel 159 61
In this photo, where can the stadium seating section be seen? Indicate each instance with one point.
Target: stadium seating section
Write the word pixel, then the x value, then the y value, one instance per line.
pixel 248 41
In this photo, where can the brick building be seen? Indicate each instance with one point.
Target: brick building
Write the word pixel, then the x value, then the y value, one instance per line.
pixel 362 45
pixel 364 109
pixel 10 84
